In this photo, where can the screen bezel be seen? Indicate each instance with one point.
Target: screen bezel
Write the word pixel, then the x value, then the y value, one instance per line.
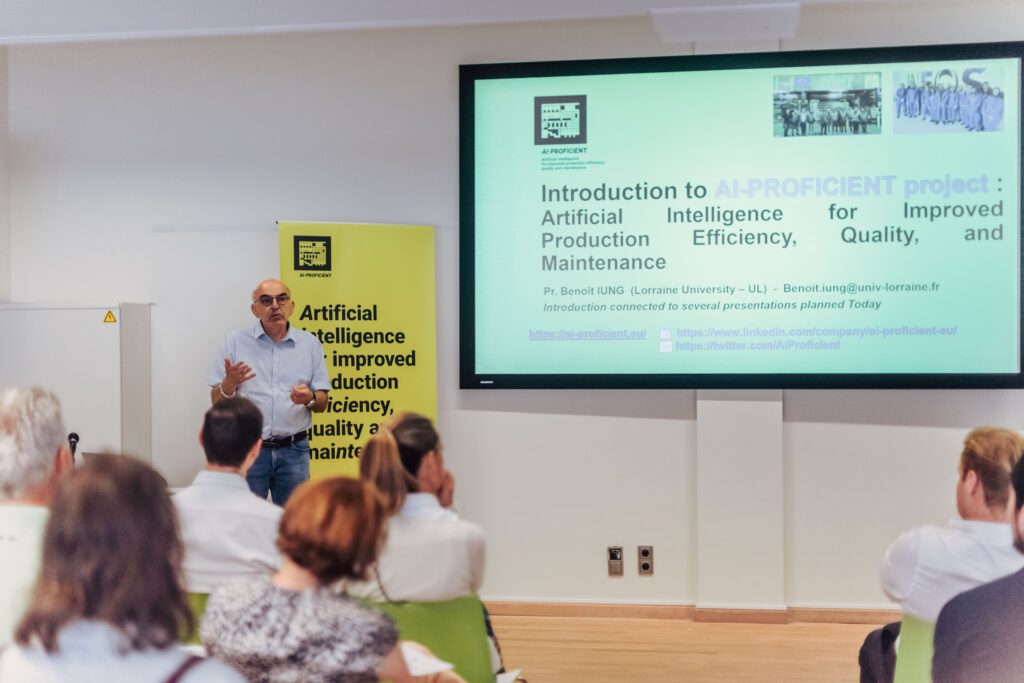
pixel 469 74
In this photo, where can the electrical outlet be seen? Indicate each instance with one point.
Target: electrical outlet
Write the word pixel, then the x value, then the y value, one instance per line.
pixel 645 560
pixel 615 560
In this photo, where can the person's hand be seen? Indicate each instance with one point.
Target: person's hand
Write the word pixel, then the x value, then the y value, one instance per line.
pixel 235 375
pixel 301 394
pixel 446 494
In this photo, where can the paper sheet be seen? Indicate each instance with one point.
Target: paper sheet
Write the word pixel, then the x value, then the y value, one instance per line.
pixel 420 662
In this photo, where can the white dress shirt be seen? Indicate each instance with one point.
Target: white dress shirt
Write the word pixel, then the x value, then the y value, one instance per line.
pixel 91 652
pixel 228 531
pixel 21 541
pixel 430 555
pixel 278 366
pixel 926 567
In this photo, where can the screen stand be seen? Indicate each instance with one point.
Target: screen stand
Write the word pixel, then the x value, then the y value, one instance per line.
pixel 740 526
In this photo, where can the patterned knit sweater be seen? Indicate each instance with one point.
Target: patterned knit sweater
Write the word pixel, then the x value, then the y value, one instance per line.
pixel 274 635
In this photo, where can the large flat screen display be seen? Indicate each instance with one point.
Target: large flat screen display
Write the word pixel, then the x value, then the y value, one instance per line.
pixel 806 219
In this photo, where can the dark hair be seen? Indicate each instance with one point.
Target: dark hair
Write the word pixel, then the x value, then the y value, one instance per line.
pixel 334 528
pixel 1017 479
pixel 230 429
pixel 416 436
pixel 111 552
pixel 392 457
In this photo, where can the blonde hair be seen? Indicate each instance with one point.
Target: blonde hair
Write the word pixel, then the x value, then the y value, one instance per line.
pixel 991 453
pixel 381 465
pixel 391 458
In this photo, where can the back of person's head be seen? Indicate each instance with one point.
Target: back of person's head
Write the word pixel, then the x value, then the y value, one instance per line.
pixel 334 528
pixel 991 453
pixel 111 553
pixel 391 458
pixel 231 428
pixel 416 438
pixel 31 435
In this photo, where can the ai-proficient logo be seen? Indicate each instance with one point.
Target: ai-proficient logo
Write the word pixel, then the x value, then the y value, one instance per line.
pixel 560 120
pixel 313 253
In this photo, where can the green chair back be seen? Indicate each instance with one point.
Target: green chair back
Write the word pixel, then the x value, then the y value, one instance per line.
pixel 453 630
pixel 198 603
pixel 914 657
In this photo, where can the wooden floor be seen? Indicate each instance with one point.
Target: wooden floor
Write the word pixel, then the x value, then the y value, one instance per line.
pixel 617 650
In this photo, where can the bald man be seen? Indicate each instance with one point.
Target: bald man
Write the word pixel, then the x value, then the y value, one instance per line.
pixel 282 370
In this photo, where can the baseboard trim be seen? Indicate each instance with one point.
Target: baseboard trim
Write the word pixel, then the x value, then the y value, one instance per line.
pixel 717 615
pixel 515 608
pixel 825 615
pixel 807 615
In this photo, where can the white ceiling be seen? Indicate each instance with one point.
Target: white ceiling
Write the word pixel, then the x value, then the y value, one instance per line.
pixel 47 21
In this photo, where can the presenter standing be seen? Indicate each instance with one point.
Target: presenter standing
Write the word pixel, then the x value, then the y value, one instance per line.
pixel 282 370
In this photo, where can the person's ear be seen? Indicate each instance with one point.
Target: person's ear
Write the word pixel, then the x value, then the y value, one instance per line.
pixel 433 462
pixel 63 460
pixel 201 438
pixel 253 453
pixel 427 477
pixel 971 481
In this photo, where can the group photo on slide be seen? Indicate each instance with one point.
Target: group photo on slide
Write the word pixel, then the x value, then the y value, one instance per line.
pixel 949 100
pixel 819 104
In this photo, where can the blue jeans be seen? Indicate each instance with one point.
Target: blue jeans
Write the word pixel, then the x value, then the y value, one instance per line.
pixel 280 471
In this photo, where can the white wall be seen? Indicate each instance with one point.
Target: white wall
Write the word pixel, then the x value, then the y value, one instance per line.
pixel 861 466
pixel 154 171
pixel 5 211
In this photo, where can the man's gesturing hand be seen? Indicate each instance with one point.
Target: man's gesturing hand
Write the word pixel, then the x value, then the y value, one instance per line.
pixel 301 394
pixel 235 375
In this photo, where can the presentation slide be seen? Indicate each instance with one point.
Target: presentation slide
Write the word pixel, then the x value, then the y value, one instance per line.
pixel 835 219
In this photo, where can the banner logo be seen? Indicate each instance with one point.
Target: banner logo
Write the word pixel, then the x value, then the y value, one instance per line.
pixel 560 120
pixel 313 253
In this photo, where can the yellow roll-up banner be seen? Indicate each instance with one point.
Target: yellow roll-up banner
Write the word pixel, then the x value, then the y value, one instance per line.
pixel 367 293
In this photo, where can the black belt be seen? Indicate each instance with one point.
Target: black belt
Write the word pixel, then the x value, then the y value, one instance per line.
pixel 282 441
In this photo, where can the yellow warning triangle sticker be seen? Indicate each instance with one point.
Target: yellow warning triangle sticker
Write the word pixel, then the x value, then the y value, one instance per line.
pixel 110 317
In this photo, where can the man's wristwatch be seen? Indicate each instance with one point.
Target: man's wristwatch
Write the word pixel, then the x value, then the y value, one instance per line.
pixel 312 402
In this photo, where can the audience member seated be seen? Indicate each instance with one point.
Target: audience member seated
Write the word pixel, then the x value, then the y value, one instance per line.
pixel 109 604
pixel 430 554
pixel 228 531
pixel 292 626
pixel 979 633
pixel 925 567
pixel 33 454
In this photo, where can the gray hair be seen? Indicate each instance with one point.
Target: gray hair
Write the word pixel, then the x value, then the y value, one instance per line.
pixel 31 433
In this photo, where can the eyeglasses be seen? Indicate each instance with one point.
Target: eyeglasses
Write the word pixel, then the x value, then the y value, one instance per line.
pixel 267 300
